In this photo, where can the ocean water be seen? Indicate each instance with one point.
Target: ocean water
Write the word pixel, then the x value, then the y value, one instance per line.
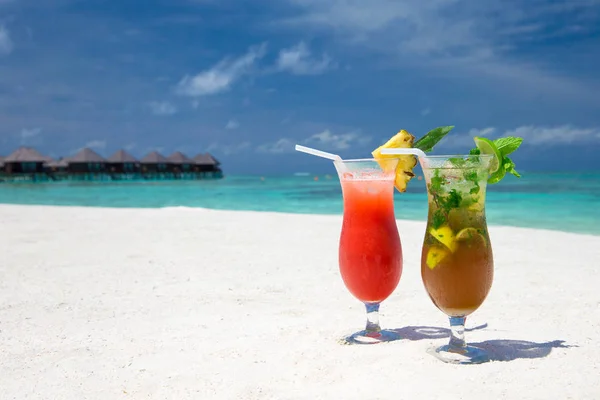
pixel 567 201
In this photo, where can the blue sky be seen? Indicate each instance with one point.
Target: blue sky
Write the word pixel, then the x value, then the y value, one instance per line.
pixel 246 80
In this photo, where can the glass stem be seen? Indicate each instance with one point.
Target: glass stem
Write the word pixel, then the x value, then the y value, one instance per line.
pixel 372 317
pixel 457 332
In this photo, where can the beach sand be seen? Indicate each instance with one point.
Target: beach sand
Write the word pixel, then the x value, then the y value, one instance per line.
pixel 201 304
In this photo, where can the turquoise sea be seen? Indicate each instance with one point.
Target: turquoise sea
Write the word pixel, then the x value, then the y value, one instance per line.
pixel 564 201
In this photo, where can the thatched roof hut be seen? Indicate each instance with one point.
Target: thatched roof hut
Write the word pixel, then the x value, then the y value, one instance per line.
pixel 85 156
pixel 24 160
pixel 1 161
pixel 122 157
pixel 180 158
pixel 154 158
pixel 86 160
pixel 206 159
pixel 25 155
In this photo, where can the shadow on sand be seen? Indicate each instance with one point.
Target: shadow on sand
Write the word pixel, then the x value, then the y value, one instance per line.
pixel 498 350
pixel 429 332
pixel 509 350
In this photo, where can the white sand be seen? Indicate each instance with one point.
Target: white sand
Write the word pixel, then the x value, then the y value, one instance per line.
pixel 198 304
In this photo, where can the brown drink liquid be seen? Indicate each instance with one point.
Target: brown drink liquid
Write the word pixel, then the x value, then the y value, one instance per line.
pixel 457 265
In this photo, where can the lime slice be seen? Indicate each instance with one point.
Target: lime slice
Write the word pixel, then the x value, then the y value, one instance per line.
pixel 498 175
pixel 471 235
pixel 496 168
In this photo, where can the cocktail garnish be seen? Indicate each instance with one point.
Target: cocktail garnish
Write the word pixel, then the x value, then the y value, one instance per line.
pixel 405 165
pixel 403 140
pixel 432 137
pixel 445 236
pixel 435 254
pixel 471 235
pixel 500 149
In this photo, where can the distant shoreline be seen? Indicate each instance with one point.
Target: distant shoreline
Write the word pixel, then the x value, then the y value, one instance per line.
pixel 566 203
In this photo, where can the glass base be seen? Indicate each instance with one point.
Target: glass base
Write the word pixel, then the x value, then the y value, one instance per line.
pixel 460 355
pixel 371 337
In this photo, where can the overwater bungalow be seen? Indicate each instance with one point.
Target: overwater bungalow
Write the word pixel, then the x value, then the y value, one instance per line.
pixel 206 161
pixel 180 162
pixel 207 164
pixel 27 164
pixel 121 162
pixel 24 160
pixel 154 162
pixel 87 161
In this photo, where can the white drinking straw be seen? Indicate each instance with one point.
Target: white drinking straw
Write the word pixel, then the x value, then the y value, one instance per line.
pixel 318 153
pixel 414 152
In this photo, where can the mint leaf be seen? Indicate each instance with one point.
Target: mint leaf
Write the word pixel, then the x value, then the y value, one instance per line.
pixel 453 200
pixel 471 176
pixel 458 162
pixel 432 137
pixel 436 183
pixel 438 220
pixel 507 145
pixel 509 166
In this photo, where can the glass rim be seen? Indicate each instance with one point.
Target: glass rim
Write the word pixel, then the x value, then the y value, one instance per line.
pixel 355 160
pixel 403 155
pixel 460 155
pixel 440 162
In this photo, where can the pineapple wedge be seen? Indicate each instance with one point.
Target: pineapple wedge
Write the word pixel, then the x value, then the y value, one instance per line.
pixel 404 173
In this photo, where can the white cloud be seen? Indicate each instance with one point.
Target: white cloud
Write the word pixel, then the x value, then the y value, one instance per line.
pixel 564 134
pixel 228 148
pixel 329 140
pixel 425 111
pixel 532 135
pixel 29 133
pixel 232 124
pixel 392 26
pixel 221 76
pixel 325 140
pixel 6 44
pixel 283 145
pixel 31 136
pixel 96 144
pixel 438 27
pixel 162 108
pixel 298 61
pixel 461 38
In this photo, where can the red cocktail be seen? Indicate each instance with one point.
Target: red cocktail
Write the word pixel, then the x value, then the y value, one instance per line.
pixel 370 253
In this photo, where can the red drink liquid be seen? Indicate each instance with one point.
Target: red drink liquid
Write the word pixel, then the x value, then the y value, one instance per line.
pixel 370 253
